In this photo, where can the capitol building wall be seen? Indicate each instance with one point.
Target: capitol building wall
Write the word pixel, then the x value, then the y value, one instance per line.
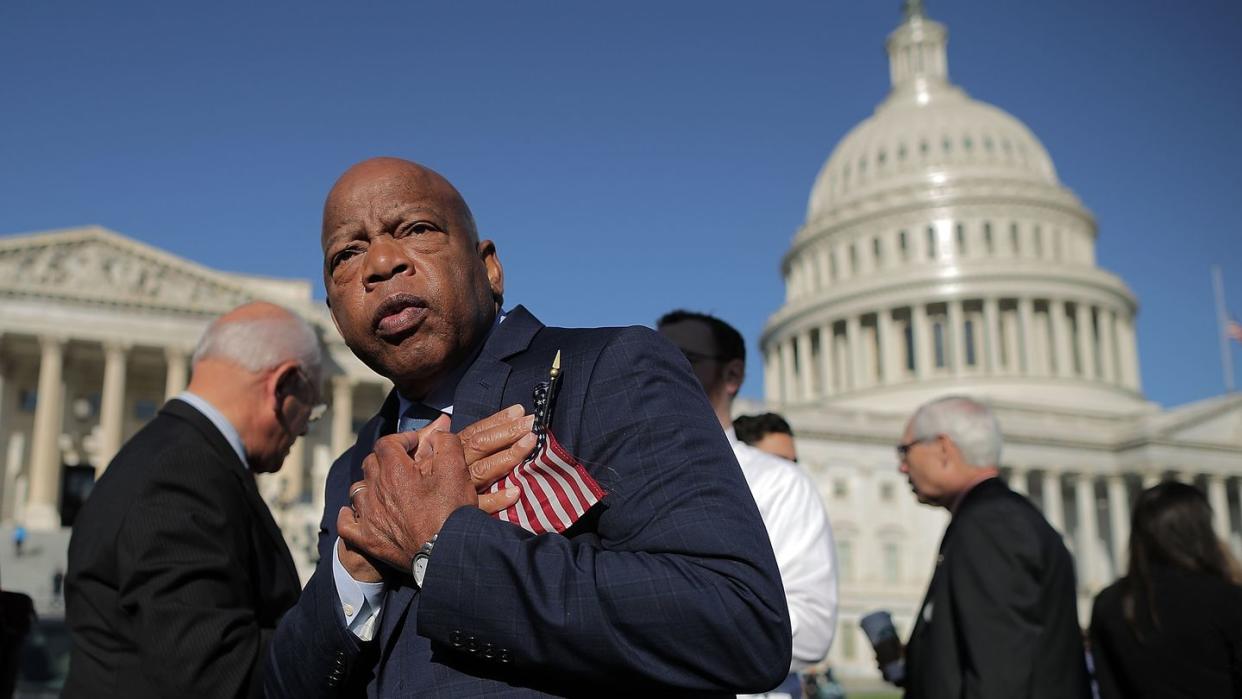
pixel 940 254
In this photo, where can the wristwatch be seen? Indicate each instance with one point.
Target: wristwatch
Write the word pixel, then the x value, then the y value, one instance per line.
pixel 418 567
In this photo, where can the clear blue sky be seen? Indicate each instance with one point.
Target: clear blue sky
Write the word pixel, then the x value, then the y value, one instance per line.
pixel 627 157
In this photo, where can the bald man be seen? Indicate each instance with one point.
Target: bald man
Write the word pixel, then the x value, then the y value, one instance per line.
pixel 177 571
pixel 658 580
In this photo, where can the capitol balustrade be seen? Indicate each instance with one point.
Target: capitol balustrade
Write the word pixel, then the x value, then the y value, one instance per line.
pixel 1024 336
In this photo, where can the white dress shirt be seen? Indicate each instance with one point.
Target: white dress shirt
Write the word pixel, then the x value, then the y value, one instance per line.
pixel 802 540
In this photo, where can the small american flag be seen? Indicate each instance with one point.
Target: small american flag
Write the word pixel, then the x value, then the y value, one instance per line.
pixel 1233 330
pixel 556 490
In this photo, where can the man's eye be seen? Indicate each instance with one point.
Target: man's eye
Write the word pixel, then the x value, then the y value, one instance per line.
pixel 342 256
pixel 419 228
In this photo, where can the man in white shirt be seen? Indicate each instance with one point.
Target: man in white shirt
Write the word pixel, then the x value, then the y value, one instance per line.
pixel 791 508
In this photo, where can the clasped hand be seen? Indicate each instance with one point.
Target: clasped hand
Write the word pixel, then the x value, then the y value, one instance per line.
pixel 413 481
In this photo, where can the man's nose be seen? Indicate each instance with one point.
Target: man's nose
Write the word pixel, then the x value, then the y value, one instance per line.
pixel 385 259
pixel 902 468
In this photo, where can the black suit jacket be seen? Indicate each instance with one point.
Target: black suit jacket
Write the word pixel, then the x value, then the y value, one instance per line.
pixel 177 571
pixel 999 620
pixel 668 586
pixel 1195 653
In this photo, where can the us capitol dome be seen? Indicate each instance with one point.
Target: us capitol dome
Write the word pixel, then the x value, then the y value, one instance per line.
pixel 940 250
pixel 941 254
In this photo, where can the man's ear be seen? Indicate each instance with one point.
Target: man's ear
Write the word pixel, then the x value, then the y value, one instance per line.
pixel 495 271
pixel 281 382
pixel 734 375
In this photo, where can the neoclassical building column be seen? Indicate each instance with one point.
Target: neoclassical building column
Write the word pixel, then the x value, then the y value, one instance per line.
pixel 1088 529
pixel 1128 353
pixel 890 369
pixel 1108 351
pixel 1026 330
pixel 1054 508
pixel 1119 519
pixel 177 374
pixel 922 341
pixel 853 339
pixel 828 381
pixel 292 473
pixel 957 338
pixel 112 403
pixel 1086 343
pixel 1018 482
pixel 1060 338
pixel 42 511
pixel 992 334
pixel 1219 501
pixel 806 375
pixel 789 372
pixel 342 414
pixel 771 377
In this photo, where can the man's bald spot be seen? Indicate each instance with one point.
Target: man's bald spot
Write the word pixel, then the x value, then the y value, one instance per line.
pixel 417 176
pixel 254 310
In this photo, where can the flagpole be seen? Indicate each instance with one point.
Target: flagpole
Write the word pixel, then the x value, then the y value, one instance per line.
pixel 1222 320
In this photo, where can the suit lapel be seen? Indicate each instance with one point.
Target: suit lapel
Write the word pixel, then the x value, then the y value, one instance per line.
pixel 478 395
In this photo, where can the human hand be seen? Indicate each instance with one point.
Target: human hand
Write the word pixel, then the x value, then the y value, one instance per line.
pixel 493 447
pixel 411 483
pixel 355 562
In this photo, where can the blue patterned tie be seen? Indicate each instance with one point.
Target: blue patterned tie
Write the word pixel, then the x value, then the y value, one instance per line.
pixel 416 417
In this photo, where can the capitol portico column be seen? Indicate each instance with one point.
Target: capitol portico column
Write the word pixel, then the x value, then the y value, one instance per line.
pixel 1219 501
pixel 176 377
pixel 1108 356
pixel 853 340
pixel 1088 529
pixel 1054 508
pixel 771 377
pixel 1119 519
pixel 957 336
pixel 292 472
pixel 806 375
pixel 1060 338
pixel 1018 482
pixel 789 372
pixel 1086 345
pixel 826 361
pixel 992 334
pixel 342 413
pixel 889 367
pixel 42 510
pixel 1026 343
pixel 922 341
pixel 112 404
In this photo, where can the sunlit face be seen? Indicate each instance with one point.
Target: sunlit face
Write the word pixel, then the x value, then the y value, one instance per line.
pixel 778 443
pixel 925 467
pixel 410 290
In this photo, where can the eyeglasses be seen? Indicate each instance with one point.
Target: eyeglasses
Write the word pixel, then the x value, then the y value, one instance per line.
pixel 318 406
pixel 697 357
pixel 904 449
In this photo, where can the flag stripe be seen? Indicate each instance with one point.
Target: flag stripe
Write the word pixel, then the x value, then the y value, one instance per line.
pixel 555 490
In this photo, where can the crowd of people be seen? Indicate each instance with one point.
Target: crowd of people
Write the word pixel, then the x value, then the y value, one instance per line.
pixel 540 511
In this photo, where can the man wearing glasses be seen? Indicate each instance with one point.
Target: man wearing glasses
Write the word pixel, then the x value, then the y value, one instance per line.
pixel 177 571
pixel 1000 618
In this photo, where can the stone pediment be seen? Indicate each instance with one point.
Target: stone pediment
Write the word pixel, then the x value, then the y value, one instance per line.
pixel 96 266
pixel 1215 420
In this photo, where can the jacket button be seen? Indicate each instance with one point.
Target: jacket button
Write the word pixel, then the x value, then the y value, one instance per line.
pixel 457 638
pixel 489 651
pixel 504 655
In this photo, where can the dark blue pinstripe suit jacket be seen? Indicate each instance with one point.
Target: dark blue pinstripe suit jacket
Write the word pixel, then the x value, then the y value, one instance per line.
pixel 668 587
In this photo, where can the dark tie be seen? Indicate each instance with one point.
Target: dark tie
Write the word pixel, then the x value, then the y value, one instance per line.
pixel 416 417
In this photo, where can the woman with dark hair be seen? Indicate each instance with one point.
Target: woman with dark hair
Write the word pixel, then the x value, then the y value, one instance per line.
pixel 1172 627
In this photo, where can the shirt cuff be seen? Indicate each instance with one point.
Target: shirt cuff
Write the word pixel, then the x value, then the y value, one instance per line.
pixel 361 602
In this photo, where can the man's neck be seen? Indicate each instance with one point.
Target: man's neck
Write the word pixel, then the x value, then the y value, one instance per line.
pixel 974 479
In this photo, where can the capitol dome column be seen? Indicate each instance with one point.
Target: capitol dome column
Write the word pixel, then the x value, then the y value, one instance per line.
pixel 992 334
pixel 1108 330
pixel 1086 345
pixel 1062 357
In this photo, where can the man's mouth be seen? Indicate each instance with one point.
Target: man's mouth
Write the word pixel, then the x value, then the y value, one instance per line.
pixel 398 315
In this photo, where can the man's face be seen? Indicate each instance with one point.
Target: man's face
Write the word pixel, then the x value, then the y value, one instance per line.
pixel 297 399
pixel 778 443
pixel 410 290
pixel 696 341
pixel 925 468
